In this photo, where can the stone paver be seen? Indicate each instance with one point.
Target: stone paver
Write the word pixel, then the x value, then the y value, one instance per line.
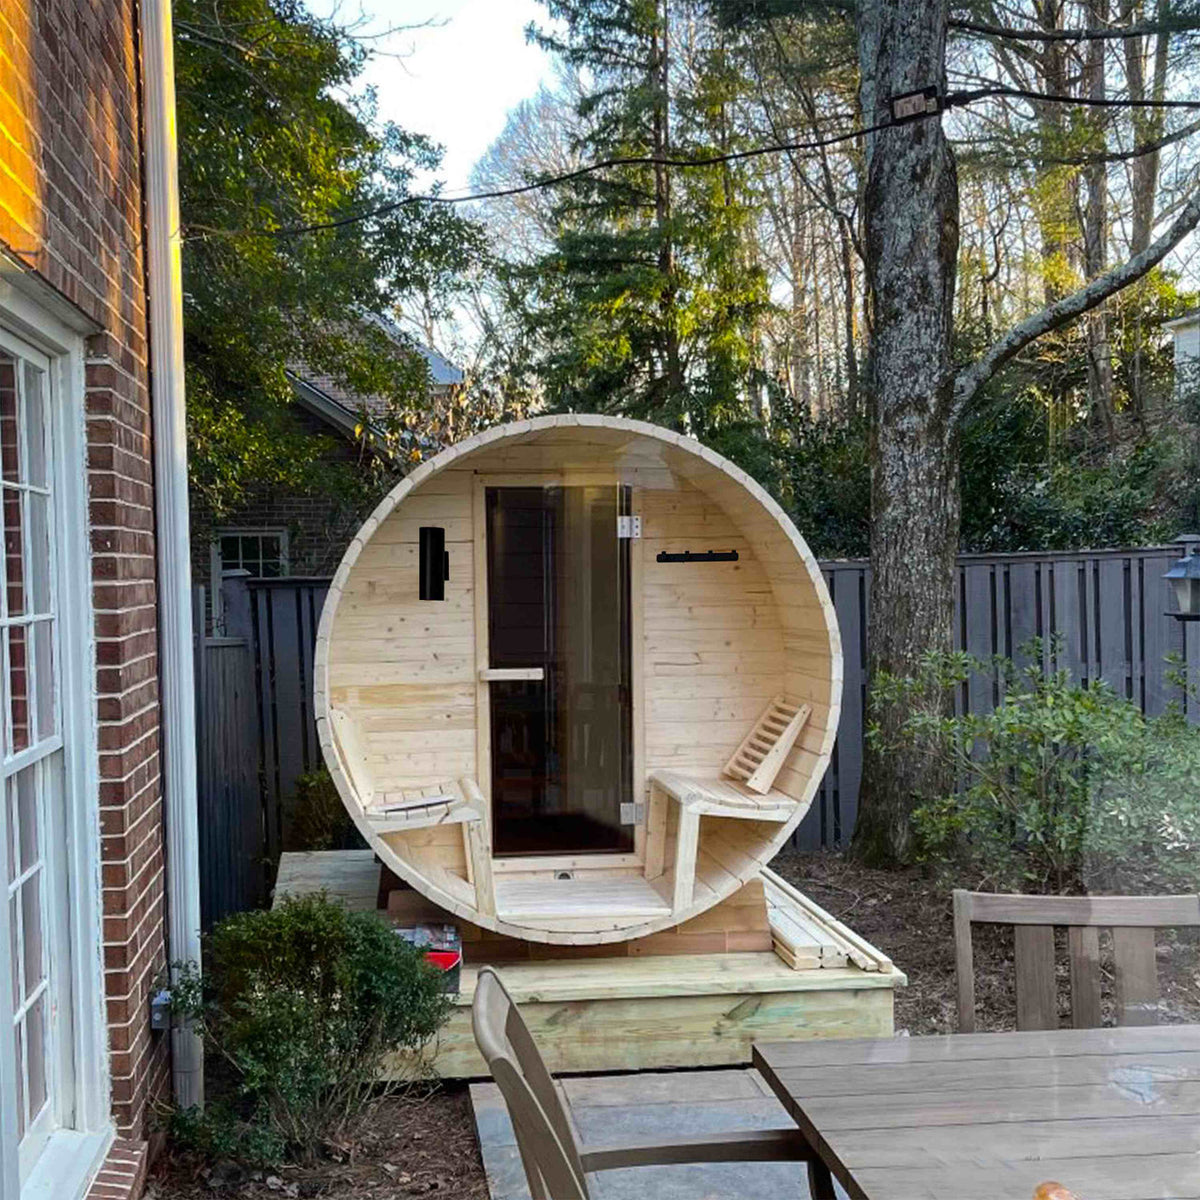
pixel 609 1108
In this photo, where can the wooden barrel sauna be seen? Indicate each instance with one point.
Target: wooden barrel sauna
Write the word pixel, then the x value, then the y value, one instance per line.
pixel 577 679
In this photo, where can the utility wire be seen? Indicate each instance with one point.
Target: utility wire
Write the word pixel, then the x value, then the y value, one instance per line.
pixel 951 100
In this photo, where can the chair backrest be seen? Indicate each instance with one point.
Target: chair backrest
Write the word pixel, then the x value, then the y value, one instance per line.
pixel 1132 919
pixel 545 1137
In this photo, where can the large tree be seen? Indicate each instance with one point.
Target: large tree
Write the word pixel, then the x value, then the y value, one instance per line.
pixel 919 395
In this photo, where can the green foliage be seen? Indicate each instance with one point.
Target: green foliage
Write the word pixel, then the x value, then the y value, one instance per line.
pixel 826 476
pixel 273 137
pixel 319 820
pixel 302 1004
pixel 1036 472
pixel 1063 786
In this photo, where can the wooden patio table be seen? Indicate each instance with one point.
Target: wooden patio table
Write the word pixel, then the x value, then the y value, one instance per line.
pixel 1113 1114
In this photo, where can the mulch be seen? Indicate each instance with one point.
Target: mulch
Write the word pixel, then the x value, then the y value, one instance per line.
pixel 426 1145
pixel 416 1145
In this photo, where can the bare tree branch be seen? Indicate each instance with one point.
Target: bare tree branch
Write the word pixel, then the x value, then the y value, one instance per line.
pixel 1055 316
pixel 1072 35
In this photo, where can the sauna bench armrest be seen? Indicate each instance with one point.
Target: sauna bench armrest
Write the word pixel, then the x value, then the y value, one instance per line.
pixel 723 797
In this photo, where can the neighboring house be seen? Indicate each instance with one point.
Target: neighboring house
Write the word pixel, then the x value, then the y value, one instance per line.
pixel 281 532
pixel 1185 331
pixel 96 737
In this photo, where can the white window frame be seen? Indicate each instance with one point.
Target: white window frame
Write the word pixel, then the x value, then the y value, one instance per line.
pixel 76 1148
pixel 217 567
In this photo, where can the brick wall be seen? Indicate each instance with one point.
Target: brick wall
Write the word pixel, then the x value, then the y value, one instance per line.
pixel 70 208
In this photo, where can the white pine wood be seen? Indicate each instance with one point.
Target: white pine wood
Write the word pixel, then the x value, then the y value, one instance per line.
pixel 713 645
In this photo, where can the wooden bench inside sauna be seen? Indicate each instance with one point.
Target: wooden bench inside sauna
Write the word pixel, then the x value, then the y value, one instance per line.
pixel 577 679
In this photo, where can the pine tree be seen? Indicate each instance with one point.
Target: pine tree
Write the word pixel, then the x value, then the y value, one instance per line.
pixel 647 303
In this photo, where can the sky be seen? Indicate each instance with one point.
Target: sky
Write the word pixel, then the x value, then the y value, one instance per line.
pixel 455 79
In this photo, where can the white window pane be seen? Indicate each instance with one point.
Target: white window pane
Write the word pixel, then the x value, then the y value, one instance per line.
pixel 36 1053
pixel 31 932
pixel 23 787
pixel 10 428
pixel 14 937
pixel 10 822
pixel 12 509
pixel 18 1037
pixel 38 511
pixel 18 689
pixel 35 426
pixel 46 705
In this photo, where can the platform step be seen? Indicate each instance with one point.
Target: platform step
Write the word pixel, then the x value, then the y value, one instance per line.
pixel 537 899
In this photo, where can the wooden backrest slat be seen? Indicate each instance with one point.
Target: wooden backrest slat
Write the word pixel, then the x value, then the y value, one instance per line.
pixel 1037 992
pixel 1083 951
pixel 1133 921
pixel 964 961
pixel 1136 975
pixel 1155 912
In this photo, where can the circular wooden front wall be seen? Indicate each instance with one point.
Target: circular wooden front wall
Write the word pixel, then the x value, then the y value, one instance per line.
pixel 398 689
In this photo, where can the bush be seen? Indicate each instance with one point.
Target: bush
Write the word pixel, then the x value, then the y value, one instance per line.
pixel 303 1005
pixel 1062 787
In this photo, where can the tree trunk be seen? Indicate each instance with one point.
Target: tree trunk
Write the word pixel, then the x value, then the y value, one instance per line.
pixel 660 84
pixel 911 222
pixel 1057 184
pixel 1095 233
pixel 801 361
pixel 1148 126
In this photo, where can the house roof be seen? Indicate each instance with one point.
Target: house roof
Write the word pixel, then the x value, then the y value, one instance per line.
pixel 1188 318
pixel 322 395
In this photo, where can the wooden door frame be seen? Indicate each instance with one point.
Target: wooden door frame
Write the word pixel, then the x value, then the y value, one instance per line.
pixel 621 863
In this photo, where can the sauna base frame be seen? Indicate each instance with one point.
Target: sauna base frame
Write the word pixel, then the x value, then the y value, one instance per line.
pixel 635 1013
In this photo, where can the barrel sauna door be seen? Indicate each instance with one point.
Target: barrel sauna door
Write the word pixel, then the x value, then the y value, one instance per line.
pixel 558 618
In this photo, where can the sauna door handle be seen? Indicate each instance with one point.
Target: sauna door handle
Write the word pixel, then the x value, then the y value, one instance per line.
pixel 512 674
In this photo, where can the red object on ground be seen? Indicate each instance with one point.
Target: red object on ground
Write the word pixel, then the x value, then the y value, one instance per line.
pixel 444 960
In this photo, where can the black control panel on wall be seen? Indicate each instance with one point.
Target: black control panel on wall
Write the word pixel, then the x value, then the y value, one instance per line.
pixel 434 562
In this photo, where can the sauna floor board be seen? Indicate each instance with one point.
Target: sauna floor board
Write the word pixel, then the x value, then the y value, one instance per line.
pixel 539 899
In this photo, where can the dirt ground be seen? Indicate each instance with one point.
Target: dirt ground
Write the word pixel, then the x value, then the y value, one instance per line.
pixel 413 1146
pixel 426 1146
pixel 910 918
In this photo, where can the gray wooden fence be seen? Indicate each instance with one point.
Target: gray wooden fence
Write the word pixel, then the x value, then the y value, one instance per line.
pixel 283 616
pixel 1108 608
pixel 233 866
pixel 254 684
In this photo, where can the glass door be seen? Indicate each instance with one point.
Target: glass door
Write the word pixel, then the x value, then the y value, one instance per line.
pixel 558 636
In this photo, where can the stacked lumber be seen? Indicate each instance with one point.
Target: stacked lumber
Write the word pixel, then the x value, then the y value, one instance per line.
pixel 807 937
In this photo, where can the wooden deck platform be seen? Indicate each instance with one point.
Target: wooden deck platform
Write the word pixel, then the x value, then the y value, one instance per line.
pixel 651 1007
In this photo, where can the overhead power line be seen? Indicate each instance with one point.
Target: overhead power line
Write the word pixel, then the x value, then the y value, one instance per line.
pixel 958 99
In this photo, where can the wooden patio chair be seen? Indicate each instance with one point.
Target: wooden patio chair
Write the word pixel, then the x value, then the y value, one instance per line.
pixel 556 1164
pixel 1133 921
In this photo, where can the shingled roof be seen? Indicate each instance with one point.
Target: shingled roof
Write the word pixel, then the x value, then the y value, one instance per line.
pixel 323 395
